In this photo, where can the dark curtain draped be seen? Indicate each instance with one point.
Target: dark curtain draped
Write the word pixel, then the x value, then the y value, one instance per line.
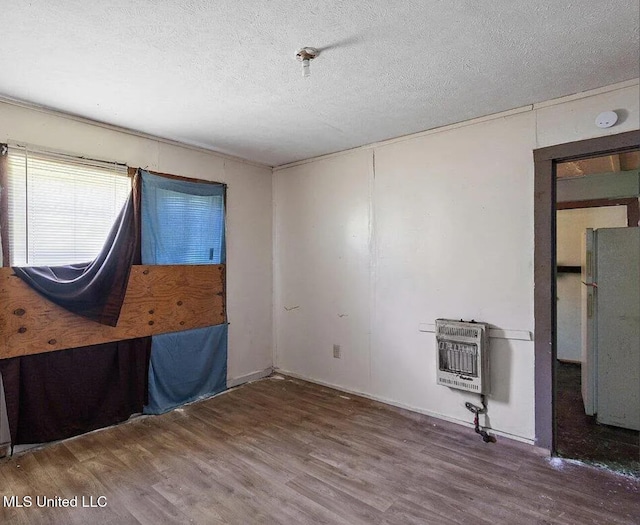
pixel 56 395
pixel 61 394
pixel 94 290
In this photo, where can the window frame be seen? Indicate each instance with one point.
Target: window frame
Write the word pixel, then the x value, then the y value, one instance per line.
pixel 198 181
pixel 76 162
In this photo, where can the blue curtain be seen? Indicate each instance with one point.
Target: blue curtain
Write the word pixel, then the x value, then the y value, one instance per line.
pixel 183 223
pixel 186 366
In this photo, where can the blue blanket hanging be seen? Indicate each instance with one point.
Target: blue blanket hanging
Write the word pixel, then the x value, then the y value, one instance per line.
pixel 183 223
pixel 186 366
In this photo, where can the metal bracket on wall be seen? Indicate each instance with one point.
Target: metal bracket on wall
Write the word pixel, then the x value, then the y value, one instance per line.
pixel 495 333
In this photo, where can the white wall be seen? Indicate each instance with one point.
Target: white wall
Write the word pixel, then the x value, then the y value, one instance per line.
pixel 249 212
pixel 322 277
pixel 372 242
pixel 570 227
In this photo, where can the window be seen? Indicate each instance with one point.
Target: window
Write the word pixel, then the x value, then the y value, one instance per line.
pixel 60 208
pixel 193 226
pixel 182 221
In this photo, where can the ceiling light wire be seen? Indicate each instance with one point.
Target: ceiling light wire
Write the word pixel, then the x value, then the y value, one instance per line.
pixel 306 55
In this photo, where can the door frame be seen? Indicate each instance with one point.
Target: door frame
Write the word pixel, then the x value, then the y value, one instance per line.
pixel 545 162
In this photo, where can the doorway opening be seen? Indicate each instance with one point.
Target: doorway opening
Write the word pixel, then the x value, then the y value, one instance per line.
pixel 597 417
pixel 547 161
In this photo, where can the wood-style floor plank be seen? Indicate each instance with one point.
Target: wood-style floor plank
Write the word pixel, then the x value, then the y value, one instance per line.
pixel 291 452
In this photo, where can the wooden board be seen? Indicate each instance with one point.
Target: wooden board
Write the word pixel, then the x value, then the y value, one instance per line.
pixel 159 299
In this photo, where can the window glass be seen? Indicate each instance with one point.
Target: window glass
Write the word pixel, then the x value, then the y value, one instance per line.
pixel 183 221
pixel 60 208
pixel 192 226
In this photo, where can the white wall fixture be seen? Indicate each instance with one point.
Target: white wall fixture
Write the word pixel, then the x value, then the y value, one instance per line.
pixel 462 355
pixel 306 55
pixel 606 119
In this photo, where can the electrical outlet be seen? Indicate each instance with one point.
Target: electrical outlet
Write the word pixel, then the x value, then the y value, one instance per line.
pixel 336 351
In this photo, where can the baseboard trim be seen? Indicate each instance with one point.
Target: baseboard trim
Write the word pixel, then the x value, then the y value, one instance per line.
pixel 400 405
pixel 253 376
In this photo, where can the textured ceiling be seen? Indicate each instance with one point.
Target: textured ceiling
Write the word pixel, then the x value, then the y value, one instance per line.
pixel 222 74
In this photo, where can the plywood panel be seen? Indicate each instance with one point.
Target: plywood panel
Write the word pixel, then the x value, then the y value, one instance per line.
pixel 159 299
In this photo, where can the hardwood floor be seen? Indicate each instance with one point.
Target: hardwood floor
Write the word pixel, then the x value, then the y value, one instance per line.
pixel 581 437
pixel 287 451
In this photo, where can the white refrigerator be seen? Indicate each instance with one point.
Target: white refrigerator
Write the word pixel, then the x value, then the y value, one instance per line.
pixel 611 326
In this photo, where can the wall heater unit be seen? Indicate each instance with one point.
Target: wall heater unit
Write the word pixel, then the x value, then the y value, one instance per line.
pixel 463 356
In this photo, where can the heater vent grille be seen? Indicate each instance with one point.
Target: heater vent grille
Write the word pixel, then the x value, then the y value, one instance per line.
pixel 463 355
pixel 459 384
pixel 456 331
pixel 459 358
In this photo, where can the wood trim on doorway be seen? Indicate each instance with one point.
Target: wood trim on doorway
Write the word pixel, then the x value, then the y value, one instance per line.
pixel 632 204
pixel 545 161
